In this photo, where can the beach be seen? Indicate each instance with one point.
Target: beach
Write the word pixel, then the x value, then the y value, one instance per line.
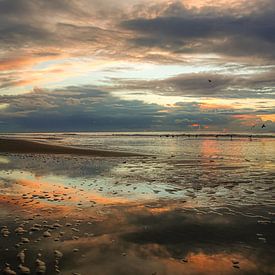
pixel 137 137
pixel 21 146
pixel 121 204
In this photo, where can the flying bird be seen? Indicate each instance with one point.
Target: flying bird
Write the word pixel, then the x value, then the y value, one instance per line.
pixel 263 126
pixel 209 80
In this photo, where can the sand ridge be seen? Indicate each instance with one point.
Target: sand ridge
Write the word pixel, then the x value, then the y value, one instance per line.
pixel 25 146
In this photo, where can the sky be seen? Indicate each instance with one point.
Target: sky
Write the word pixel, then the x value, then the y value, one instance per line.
pixel 137 65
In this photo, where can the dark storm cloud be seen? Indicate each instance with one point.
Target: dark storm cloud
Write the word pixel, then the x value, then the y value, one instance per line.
pixel 86 108
pixel 174 28
pixel 200 27
pixel 182 30
pixel 74 108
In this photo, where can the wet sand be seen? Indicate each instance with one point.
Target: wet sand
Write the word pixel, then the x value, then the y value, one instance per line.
pixel 20 146
pixel 207 210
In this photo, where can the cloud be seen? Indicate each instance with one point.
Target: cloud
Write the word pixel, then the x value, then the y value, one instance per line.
pixel 59 43
pixel 60 28
pixel 74 108
pixel 182 30
pixel 218 85
pixel 88 108
pixel 121 30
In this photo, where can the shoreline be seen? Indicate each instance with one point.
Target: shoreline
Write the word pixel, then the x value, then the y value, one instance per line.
pixel 187 134
pixel 20 146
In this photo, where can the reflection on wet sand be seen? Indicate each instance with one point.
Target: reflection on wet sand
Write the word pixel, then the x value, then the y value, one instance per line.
pixel 211 213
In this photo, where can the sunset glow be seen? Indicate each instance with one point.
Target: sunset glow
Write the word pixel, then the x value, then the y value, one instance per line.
pixel 205 60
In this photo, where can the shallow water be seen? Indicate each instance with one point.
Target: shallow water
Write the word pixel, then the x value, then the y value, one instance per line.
pixel 190 206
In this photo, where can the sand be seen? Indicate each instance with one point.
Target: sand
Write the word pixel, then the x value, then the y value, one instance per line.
pixel 199 200
pixel 24 146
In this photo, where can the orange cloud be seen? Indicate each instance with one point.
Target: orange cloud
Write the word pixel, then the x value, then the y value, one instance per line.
pixel 248 119
pixel 8 64
pixel 245 116
pixel 209 106
pixel 268 117
pixel 195 125
pixel 24 82
pixel 223 4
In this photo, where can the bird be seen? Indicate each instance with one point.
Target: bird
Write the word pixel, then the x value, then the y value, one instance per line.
pixel 263 126
pixel 209 80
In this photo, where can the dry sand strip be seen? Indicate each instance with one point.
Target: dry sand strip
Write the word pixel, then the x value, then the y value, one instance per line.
pixel 20 146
